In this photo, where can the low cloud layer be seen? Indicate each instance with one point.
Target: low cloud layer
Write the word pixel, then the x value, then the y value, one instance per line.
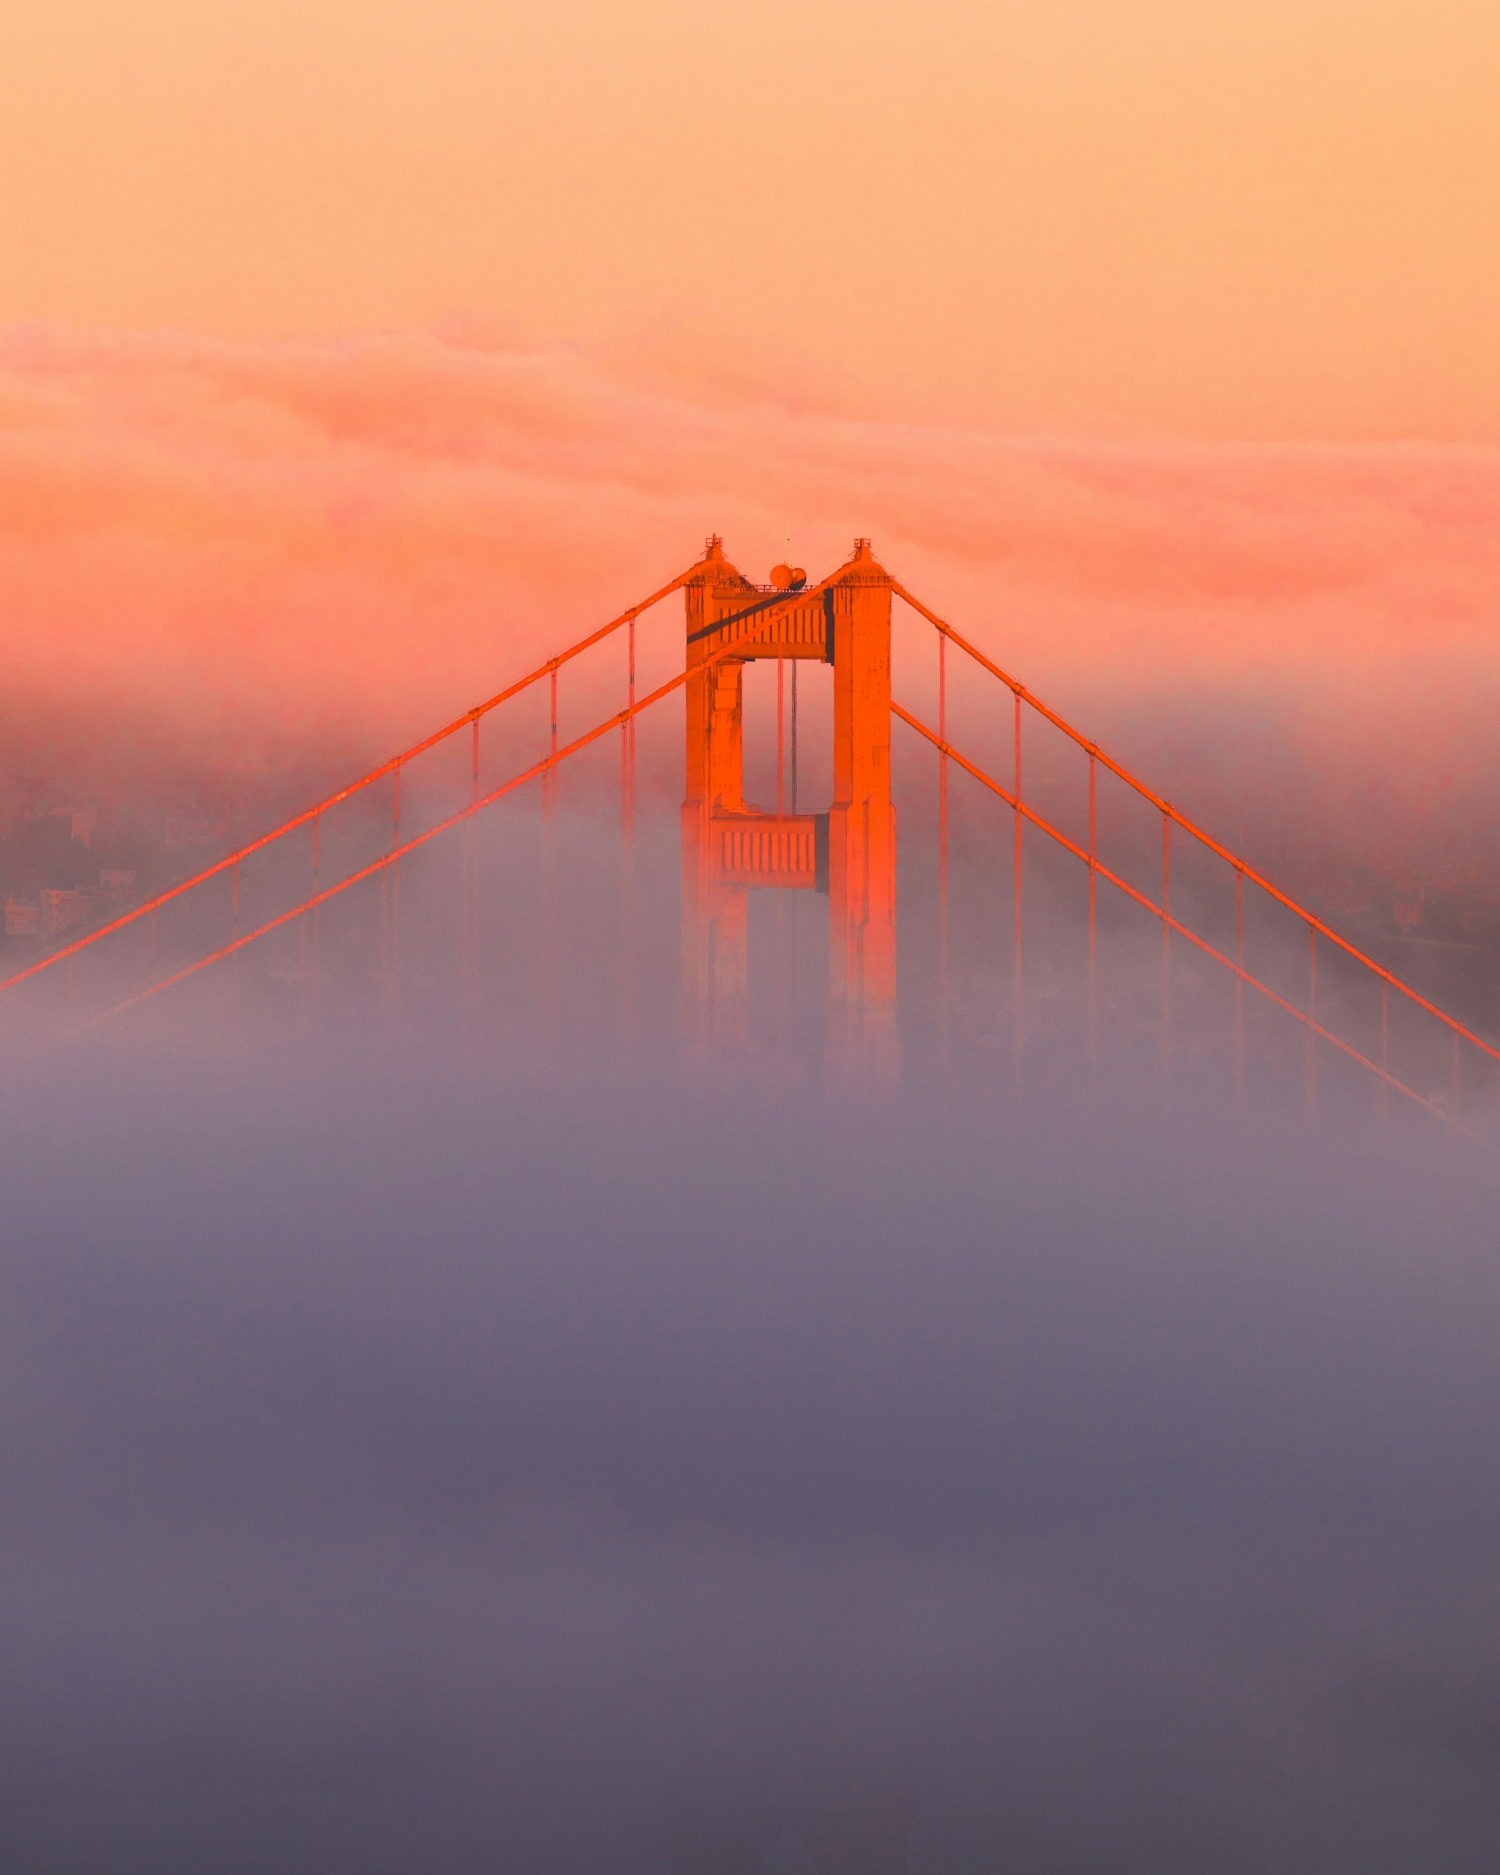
pixel 413 1459
pixel 386 527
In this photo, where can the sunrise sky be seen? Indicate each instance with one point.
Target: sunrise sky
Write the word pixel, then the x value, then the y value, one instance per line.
pixel 1144 331
pixel 1260 216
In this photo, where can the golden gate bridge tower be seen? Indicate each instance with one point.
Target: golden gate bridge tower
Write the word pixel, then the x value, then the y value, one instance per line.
pixel 731 848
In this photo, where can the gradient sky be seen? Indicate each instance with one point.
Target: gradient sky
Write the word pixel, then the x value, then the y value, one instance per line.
pixel 354 356
pixel 1255 218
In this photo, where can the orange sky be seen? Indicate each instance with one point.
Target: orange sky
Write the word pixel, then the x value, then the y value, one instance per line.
pixel 389 527
pixel 1246 218
pixel 352 356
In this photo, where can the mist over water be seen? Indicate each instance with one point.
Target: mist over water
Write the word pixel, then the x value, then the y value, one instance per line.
pixel 462 1406
pixel 449 1429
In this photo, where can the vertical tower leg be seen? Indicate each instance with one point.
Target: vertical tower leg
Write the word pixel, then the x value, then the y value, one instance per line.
pixel 696 920
pixel 714 918
pixel 728 962
pixel 862 821
pixel 781 911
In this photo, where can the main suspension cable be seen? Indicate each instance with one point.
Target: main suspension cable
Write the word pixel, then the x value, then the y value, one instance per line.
pixel 1169 923
pixel 392 766
pixel 1022 694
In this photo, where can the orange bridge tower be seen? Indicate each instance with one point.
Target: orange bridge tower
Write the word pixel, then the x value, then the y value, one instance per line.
pixel 730 848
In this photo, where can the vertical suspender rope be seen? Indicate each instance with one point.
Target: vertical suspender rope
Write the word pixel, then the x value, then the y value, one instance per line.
pixel 468 917
pixel 1166 938
pixel 630 691
pixel 1239 983
pixel 395 872
pixel 317 928
pixel 783 838
pixel 794 735
pixel 1019 824
pixel 234 925
pixel 551 789
pixel 1093 883
pixel 1311 1069
pixel 547 997
pixel 780 732
pixel 627 843
pixel 943 990
pixel 1385 1038
pixel 627 749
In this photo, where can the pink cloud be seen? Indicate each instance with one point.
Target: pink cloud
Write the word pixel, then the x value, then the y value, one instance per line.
pixel 382 530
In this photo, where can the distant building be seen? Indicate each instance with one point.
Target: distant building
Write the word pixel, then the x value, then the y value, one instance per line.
pixel 182 830
pixel 72 823
pixel 116 878
pixel 23 917
pixel 61 911
pixel 1410 908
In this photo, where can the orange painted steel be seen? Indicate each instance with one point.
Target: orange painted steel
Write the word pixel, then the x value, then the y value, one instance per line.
pixel 627 845
pixel 1018 989
pixel 1310 1089
pixel 1093 883
pixel 1018 840
pixel 627 752
pixel 354 787
pixel 395 878
pixel 1166 937
pixel 1237 970
pixel 542 768
pixel 730 847
pixel 780 734
pixel 943 972
pixel 1239 987
pixel 787 625
pixel 794 737
pixel 1188 826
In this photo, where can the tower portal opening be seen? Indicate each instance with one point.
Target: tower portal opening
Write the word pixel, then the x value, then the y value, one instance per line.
pixel 734 843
